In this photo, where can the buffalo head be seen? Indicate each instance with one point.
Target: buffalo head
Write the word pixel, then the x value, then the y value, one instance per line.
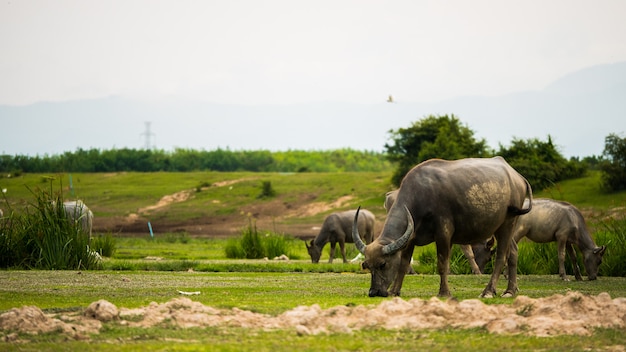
pixel 383 260
pixel 314 251
pixel 593 259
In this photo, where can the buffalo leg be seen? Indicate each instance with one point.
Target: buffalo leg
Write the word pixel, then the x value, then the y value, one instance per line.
pixel 332 252
pixel 511 264
pixel 504 236
pixel 342 246
pixel 571 252
pixel 443 267
pixel 405 264
pixel 469 254
pixel 561 253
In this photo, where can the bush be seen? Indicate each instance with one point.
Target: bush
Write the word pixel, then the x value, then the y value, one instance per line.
pixel 43 238
pixel 613 165
pixel 104 245
pixel 267 190
pixel 13 243
pixel 252 245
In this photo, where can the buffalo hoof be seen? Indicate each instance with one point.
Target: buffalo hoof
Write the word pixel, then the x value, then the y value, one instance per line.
pixel 508 294
pixel 377 293
pixel 487 294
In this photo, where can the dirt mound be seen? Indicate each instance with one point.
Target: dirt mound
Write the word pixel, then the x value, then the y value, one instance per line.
pixel 573 313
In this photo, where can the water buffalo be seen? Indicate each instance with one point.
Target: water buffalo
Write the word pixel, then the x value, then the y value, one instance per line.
pixel 77 211
pixel 446 202
pixel 478 255
pixel 337 228
pixel 560 222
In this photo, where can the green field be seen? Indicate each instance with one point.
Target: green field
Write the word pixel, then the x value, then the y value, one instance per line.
pixel 145 270
pixel 120 194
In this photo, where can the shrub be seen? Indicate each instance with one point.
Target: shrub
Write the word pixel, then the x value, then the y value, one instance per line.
pixel 104 245
pixel 252 245
pixel 267 190
pixel 43 238
pixel 13 243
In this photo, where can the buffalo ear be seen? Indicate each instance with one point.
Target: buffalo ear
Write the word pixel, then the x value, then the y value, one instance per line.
pixel 599 250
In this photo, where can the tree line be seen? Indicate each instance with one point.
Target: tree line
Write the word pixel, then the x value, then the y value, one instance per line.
pixel 184 160
pixel 538 160
pixel 433 136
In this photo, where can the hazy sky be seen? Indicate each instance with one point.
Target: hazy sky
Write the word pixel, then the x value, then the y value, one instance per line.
pixel 284 52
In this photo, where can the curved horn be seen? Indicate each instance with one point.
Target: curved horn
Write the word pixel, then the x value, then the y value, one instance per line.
pixel 400 242
pixel 355 233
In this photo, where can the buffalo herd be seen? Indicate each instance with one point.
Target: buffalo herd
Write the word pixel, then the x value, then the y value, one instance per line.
pixel 475 203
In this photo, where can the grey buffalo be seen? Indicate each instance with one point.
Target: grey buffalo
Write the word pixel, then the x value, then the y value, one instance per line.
pixel 446 202
pixel 478 255
pixel 78 212
pixel 337 228
pixel 561 222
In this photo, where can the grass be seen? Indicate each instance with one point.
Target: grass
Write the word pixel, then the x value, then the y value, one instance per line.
pixel 130 280
pixel 121 194
pixel 273 293
pixel 264 292
pixel 584 193
pixel 216 339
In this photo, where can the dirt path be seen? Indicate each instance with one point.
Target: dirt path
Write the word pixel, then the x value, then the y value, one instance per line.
pixel 273 214
pixel 573 313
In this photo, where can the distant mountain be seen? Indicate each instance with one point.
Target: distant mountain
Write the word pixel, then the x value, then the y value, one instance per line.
pixel 578 111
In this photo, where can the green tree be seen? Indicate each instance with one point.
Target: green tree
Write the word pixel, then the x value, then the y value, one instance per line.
pixel 432 137
pixel 540 162
pixel 613 164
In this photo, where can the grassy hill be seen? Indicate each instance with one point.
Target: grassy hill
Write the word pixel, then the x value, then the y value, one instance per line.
pixel 219 204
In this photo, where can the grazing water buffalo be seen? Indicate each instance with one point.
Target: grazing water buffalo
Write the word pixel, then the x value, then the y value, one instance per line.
pixel 478 255
pixel 337 228
pixel 446 202
pixel 561 222
pixel 77 211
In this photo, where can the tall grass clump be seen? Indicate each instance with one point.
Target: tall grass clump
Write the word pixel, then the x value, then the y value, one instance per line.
pixel 13 243
pixel 104 245
pixel 42 237
pixel 612 233
pixel 427 261
pixel 253 245
pixel 539 259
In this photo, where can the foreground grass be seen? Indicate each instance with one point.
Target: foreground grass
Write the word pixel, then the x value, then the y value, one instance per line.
pixel 215 339
pixel 274 293
pixel 264 292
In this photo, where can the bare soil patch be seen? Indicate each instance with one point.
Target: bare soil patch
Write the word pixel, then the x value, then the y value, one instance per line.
pixel 270 215
pixel 572 313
